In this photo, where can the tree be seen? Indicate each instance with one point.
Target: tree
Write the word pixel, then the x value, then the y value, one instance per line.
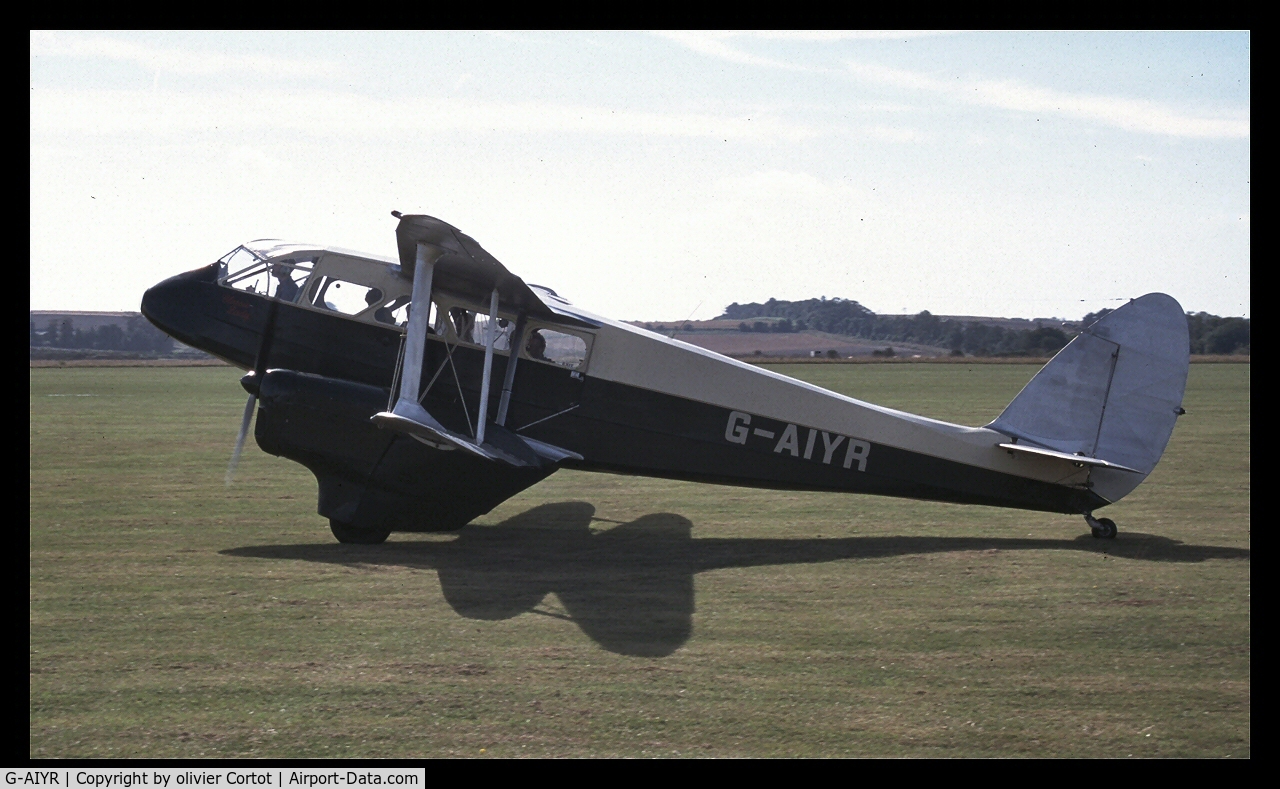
pixel 1045 340
pixel 1093 317
pixel 109 337
pixel 1231 336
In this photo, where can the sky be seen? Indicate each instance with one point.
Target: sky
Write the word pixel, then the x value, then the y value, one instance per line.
pixel 664 175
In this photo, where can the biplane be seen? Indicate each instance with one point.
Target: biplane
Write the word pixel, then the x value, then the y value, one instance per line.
pixel 422 390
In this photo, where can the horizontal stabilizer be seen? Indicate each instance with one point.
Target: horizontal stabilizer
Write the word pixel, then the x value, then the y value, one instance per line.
pixel 1079 459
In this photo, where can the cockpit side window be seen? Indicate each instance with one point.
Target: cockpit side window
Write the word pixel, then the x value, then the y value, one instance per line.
pixel 353 298
pixel 288 276
pixel 349 298
pixel 367 290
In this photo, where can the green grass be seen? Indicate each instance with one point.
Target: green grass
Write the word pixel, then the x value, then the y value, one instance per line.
pixel 173 617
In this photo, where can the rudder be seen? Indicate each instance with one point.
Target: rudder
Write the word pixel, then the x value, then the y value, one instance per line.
pixel 1114 393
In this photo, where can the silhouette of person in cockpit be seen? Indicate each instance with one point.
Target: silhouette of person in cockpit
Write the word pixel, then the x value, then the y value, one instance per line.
pixel 537 346
pixel 287 290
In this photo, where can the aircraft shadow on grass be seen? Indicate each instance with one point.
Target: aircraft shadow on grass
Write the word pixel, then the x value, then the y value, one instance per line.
pixel 630 587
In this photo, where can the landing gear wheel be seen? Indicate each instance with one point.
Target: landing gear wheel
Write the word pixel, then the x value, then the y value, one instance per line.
pixel 354 535
pixel 1105 530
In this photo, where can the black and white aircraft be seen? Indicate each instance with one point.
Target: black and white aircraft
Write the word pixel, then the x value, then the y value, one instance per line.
pixel 424 390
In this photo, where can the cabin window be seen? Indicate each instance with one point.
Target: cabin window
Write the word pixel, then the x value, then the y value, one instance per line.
pixel 400 310
pixel 559 348
pixel 472 327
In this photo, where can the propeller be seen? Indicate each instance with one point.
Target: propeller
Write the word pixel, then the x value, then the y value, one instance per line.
pixel 251 382
pixel 244 431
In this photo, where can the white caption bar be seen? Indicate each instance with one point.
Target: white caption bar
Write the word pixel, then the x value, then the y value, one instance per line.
pixel 218 778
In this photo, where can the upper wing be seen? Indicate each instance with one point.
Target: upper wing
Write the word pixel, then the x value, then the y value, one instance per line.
pixel 466 269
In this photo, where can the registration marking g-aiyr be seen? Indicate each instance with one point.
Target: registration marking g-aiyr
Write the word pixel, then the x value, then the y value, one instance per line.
pixel 737 431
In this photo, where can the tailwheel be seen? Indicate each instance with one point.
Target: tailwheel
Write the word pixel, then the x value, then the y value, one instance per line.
pixel 1102 528
pixel 354 535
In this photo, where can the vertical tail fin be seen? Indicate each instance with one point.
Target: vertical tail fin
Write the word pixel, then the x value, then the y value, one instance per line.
pixel 1113 393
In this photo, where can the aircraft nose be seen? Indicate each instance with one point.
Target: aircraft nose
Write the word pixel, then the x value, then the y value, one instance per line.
pixel 171 305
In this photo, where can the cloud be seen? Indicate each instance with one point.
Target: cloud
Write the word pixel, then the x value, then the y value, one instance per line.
pixel 323 112
pixel 173 60
pixel 904 134
pixel 1138 115
pixel 718 44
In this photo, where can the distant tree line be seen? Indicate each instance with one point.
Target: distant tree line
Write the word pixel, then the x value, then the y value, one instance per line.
pixel 1209 333
pixel 136 335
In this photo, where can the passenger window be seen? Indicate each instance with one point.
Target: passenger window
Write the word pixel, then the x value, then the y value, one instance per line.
pixel 396 313
pixel 566 350
pixel 473 327
pixel 501 332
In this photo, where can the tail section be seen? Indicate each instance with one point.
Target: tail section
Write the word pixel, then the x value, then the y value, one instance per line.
pixel 1114 393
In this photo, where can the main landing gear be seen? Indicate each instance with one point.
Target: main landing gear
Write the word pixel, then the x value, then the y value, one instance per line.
pixel 354 535
pixel 1102 528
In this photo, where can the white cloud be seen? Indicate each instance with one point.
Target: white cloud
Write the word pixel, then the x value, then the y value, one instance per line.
pixel 173 60
pixel 839 35
pixel 903 134
pixel 716 45
pixel 1130 114
pixel 98 112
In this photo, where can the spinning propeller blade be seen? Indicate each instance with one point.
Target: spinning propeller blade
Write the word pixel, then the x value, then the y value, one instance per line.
pixel 259 368
pixel 244 431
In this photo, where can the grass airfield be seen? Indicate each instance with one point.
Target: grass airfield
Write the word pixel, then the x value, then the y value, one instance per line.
pixel 598 615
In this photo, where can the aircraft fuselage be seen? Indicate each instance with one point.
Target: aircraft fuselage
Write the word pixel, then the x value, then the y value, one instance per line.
pixel 641 404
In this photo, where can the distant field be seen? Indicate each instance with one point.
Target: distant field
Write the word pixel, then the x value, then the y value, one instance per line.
pixel 604 615
pixel 737 343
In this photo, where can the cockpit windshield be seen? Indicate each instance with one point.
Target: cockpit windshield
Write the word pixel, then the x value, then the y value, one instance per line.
pixel 357 286
pixel 269 267
pixel 268 248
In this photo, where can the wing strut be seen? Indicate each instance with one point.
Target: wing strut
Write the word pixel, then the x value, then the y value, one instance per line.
pixel 464 265
pixel 408 415
pixel 517 343
pixel 419 317
pixel 488 366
